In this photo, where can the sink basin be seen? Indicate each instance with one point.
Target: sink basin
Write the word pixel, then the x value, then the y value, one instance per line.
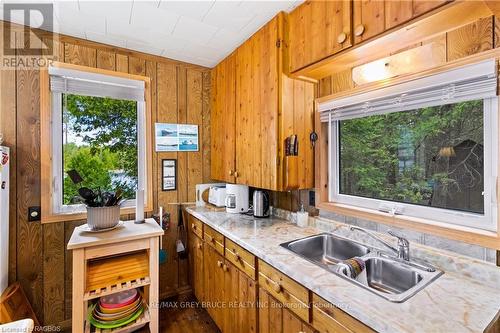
pixel 326 249
pixel 393 279
pixel 390 277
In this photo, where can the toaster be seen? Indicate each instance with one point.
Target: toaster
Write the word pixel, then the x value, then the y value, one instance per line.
pixel 217 196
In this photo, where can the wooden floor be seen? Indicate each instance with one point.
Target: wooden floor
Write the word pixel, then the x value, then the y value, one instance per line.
pixel 174 319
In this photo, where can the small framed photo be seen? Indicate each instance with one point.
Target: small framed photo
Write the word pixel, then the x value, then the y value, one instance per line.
pixel 169 175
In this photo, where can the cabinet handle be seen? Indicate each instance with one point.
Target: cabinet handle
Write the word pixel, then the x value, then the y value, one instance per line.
pixel 236 174
pixel 341 37
pixel 236 255
pixel 231 172
pixel 359 30
pixel 219 263
pixel 199 246
pixel 193 226
pixel 224 268
pixel 277 287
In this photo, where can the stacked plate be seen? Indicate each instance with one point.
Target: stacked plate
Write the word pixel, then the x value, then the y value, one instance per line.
pixel 116 310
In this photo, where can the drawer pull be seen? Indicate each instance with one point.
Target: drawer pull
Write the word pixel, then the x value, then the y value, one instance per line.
pixel 219 263
pixel 193 226
pixel 199 245
pixel 225 268
pixel 341 37
pixel 236 255
pixel 359 30
pixel 277 287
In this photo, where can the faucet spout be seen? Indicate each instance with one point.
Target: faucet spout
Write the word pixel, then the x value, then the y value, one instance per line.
pixel 403 249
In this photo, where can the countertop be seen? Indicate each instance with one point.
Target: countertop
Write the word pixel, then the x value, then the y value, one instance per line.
pixel 452 303
pixel 126 232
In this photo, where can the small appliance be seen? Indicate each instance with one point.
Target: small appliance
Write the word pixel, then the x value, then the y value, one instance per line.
pixel 236 198
pixel 260 203
pixel 217 195
pixel 202 193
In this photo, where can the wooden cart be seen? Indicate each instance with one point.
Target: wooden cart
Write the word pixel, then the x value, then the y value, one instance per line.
pixel 113 261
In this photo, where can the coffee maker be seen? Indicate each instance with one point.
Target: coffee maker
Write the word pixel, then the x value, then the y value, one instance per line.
pixel 236 198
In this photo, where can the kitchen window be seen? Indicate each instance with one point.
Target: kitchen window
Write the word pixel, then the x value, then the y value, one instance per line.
pixel 98 128
pixel 426 149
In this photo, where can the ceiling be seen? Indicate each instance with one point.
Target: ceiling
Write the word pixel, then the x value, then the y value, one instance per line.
pixel 198 32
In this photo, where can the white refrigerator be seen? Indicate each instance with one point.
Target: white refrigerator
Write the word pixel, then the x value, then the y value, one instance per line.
pixel 4 217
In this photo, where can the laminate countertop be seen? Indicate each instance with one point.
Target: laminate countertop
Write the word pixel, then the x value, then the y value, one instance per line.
pixel 454 302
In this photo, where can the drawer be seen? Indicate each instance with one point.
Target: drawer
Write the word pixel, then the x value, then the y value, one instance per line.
pixel 214 239
pixel 196 226
pixel 284 289
pixel 327 318
pixel 241 258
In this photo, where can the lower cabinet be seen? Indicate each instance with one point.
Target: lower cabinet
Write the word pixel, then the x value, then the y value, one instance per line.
pixel 196 277
pixel 214 284
pixel 275 318
pixel 243 295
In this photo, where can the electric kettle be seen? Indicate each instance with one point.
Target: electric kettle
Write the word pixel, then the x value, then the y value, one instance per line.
pixel 261 204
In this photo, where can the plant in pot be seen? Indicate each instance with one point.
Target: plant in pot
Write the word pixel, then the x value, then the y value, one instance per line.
pixel 103 207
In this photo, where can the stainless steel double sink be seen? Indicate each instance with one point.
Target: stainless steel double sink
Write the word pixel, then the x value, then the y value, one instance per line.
pixel 389 277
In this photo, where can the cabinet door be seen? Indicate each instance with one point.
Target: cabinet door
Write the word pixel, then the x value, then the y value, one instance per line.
pixel 241 301
pixel 270 313
pixel 223 117
pixel 318 29
pixel 197 255
pixel 214 283
pixel 368 19
pixel 275 318
pixel 257 107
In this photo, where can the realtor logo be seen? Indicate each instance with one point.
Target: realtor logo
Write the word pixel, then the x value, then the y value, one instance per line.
pixel 30 15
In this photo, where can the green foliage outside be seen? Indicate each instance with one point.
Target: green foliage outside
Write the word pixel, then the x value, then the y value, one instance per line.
pixel 398 156
pixel 106 158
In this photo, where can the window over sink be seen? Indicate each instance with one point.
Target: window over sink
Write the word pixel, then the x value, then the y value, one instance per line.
pixel 425 148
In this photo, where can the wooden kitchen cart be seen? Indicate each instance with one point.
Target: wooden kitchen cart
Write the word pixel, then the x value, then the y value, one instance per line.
pixel 113 261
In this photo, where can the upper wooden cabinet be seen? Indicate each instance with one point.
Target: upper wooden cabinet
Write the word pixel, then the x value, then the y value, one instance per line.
pixel 268 107
pixel 223 118
pixel 318 29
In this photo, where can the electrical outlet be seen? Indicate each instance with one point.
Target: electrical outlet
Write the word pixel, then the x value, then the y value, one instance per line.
pixel 34 214
pixel 312 198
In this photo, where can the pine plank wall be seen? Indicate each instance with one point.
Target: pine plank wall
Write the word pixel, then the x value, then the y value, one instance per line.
pixel 38 257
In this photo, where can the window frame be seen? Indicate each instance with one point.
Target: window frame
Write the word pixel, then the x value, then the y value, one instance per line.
pixel 486 221
pixel 485 238
pixel 51 148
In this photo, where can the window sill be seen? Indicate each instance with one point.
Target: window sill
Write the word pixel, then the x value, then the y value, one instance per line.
pixel 69 217
pixel 489 239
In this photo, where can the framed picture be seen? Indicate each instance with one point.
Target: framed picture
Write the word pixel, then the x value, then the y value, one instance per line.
pixel 169 175
pixel 176 137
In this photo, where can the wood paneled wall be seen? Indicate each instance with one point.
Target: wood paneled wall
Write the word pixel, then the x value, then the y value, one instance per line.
pixel 38 255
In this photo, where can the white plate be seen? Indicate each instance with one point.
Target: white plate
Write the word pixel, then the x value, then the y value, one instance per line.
pixel 85 228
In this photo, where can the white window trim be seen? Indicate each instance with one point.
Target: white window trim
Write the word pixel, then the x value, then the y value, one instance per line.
pixel 488 221
pixel 57 159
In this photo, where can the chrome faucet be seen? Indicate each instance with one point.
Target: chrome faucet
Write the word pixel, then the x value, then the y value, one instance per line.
pixel 403 250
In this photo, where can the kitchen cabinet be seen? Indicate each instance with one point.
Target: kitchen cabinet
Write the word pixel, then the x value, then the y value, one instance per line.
pixel 318 29
pixel 230 292
pixel 223 118
pixel 423 6
pixel 269 106
pixel 195 250
pixel 274 318
pixel 214 294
